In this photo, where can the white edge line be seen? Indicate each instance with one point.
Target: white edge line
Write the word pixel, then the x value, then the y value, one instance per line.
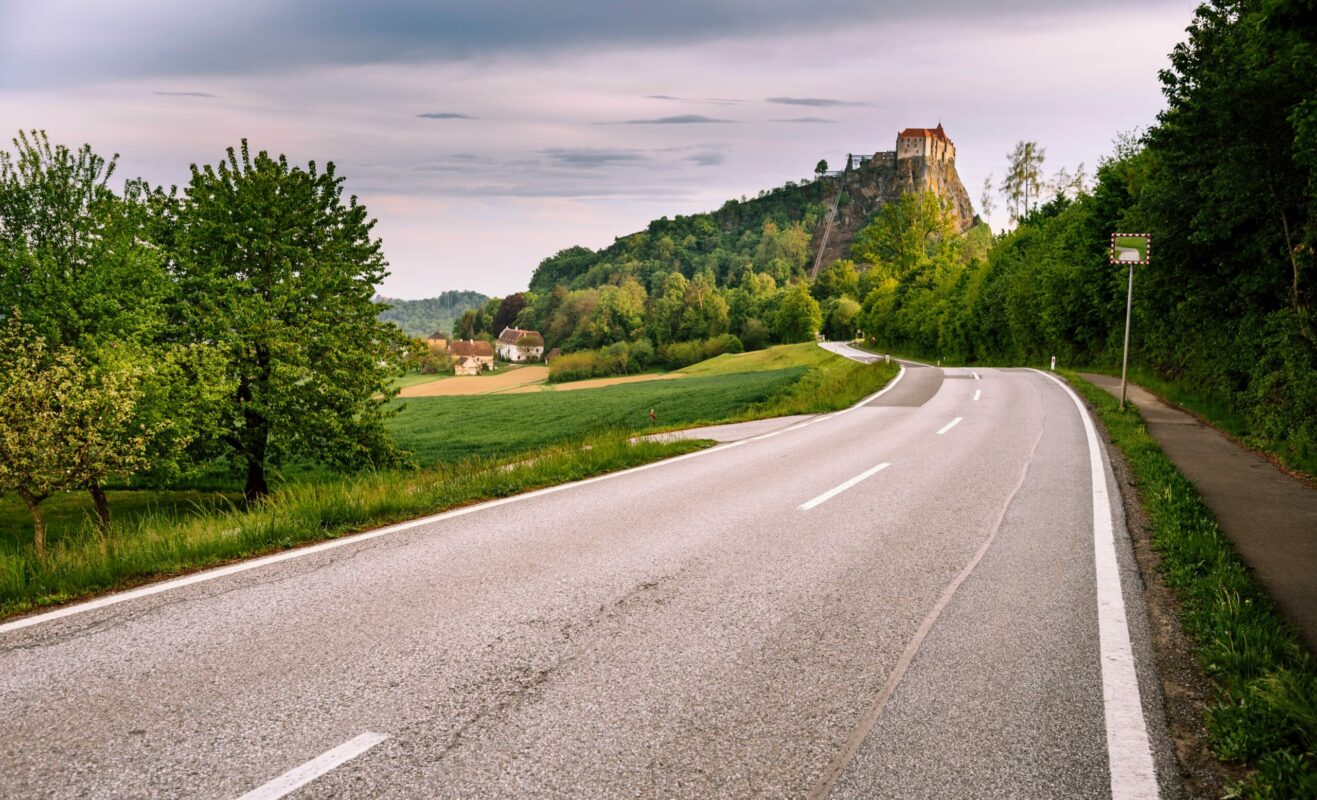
pixel 1133 773
pixel 953 423
pixel 831 493
pixel 300 776
pixel 343 541
pixel 977 394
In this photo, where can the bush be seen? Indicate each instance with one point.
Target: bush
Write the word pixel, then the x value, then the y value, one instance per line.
pixel 755 334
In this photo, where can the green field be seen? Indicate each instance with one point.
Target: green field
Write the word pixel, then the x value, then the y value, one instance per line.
pixel 447 429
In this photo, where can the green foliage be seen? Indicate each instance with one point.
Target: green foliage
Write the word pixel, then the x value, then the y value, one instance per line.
pixel 1265 710
pixel 1225 183
pixel 280 273
pixel 423 317
pixel 65 422
pixel 799 316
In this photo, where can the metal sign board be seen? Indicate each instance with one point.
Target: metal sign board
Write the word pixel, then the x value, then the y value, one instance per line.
pixel 1131 248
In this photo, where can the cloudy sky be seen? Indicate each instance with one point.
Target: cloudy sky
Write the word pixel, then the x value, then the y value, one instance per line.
pixel 487 135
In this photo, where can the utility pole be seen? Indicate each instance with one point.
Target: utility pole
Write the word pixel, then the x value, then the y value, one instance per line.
pixel 1125 360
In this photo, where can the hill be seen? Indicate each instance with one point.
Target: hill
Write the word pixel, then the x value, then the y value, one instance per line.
pixel 423 317
pixel 779 233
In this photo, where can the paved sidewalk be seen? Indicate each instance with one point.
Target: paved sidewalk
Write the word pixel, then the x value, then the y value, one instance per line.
pixel 1270 517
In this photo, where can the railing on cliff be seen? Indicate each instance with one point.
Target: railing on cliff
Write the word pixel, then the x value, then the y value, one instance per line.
pixel 827 231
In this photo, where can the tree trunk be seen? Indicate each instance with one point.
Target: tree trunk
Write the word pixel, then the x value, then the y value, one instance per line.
pixel 256 486
pixel 102 504
pixel 38 524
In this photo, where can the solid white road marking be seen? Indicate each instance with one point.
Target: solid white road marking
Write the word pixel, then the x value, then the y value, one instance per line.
pixel 977 394
pixel 301 776
pixel 1133 774
pixel 344 541
pixel 953 423
pixel 831 493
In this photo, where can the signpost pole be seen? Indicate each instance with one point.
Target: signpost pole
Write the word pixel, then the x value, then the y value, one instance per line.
pixel 1125 361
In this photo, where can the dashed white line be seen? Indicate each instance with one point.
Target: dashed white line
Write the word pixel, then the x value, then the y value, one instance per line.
pixel 976 376
pixel 953 423
pixel 1133 774
pixel 831 493
pixel 300 776
pixel 977 394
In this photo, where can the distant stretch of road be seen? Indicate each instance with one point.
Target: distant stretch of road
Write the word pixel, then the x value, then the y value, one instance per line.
pixel 925 596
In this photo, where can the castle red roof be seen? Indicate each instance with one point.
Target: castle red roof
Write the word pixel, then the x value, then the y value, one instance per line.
pixel 925 133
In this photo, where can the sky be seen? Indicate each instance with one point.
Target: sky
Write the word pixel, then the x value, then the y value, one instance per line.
pixel 486 136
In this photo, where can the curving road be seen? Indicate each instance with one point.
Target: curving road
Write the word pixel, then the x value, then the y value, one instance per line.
pixel 913 598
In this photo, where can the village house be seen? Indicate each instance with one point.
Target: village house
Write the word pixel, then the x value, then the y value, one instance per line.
pixel 515 344
pixel 469 357
pixel 438 340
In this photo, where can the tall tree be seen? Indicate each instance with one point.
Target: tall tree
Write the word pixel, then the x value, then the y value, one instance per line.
pixel 78 264
pixel 65 422
pixel 280 271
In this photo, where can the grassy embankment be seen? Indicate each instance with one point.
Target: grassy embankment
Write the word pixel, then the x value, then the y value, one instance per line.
pixel 1265 712
pixel 463 444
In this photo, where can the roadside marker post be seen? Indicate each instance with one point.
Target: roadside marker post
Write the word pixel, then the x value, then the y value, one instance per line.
pixel 1131 249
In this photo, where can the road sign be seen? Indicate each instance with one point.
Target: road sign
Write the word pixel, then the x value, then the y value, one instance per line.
pixel 1131 249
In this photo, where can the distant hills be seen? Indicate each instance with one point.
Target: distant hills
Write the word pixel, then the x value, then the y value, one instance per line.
pixel 423 317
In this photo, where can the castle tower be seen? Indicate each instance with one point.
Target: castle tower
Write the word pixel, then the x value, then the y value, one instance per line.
pixel 927 143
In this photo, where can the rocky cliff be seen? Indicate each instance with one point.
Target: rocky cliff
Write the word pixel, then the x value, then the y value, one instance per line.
pixel 883 180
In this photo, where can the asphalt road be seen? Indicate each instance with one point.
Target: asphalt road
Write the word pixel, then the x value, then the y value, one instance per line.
pixel 778 617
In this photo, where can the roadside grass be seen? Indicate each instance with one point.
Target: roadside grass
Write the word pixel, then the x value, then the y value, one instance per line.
pixel 70 513
pixel 158 544
pixel 1265 710
pixel 835 383
pixel 779 356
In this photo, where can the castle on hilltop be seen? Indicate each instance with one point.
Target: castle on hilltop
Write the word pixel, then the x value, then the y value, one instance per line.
pixel 931 144
pixel 924 161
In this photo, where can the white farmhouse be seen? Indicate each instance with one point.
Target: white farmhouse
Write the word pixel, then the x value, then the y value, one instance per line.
pixel 515 344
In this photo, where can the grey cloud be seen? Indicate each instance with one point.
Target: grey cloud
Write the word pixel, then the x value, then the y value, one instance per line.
pixel 187 94
pixel 715 101
pixel 707 158
pixel 814 102
pixel 52 46
pixel 589 158
pixel 444 115
pixel 679 119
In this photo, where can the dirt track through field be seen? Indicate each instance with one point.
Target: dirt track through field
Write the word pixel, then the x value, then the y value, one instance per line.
pixel 478 384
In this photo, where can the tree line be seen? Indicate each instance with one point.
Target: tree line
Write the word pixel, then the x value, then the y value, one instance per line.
pixel 1225 182
pixel 147 333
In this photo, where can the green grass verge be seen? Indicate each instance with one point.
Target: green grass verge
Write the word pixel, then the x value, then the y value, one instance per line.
pixel 1265 711
pixel 416 378
pixel 157 545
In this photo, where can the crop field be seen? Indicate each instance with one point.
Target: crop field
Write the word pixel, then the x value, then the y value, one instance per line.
pixel 447 429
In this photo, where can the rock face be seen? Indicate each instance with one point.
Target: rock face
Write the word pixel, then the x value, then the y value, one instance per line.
pixel 881 180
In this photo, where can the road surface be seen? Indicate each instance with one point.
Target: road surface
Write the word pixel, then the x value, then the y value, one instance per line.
pixel 913 598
